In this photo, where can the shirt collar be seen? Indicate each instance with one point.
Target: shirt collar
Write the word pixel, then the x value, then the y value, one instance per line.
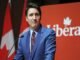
pixel 32 31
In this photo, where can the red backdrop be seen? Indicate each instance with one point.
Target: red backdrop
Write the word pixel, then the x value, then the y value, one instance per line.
pixel 65 20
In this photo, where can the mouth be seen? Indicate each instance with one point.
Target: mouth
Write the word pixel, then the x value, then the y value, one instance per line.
pixel 34 21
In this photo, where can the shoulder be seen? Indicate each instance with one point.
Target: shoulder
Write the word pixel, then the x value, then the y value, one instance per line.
pixel 49 34
pixel 48 30
pixel 25 32
pixel 23 36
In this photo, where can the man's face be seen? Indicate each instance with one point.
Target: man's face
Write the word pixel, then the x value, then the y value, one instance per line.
pixel 33 17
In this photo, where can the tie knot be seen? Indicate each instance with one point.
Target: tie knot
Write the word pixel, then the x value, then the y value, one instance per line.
pixel 33 33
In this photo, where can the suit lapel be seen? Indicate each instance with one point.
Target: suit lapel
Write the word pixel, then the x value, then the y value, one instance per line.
pixel 27 41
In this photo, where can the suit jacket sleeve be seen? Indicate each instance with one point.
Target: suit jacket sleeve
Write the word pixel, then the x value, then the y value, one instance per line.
pixel 19 53
pixel 50 46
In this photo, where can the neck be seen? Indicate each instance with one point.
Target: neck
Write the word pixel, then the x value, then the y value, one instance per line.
pixel 37 28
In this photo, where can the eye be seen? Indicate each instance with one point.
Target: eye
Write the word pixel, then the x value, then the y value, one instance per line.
pixel 37 14
pixel 31 14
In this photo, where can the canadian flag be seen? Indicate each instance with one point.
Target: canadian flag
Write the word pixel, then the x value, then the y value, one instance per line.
pixel 7 48
pixel 24 24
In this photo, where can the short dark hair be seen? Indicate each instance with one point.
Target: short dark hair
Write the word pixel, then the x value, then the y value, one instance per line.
pixel 32 5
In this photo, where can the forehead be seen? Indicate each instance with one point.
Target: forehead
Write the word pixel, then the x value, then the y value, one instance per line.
pixel 33 10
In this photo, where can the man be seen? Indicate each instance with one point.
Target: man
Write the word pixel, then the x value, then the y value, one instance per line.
pixel 38 43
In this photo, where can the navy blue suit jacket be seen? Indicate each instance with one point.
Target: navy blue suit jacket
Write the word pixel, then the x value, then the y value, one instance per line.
pixel 44 48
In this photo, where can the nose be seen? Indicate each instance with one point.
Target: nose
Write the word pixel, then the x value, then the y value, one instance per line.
pixel 34 17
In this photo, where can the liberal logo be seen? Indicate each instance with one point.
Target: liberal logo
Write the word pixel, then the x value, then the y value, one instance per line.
pixel 67 30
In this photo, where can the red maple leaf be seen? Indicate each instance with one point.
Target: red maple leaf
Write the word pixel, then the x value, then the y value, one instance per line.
pixel 4 54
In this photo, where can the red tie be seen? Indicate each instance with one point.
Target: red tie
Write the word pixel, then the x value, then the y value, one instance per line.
pixel 32 40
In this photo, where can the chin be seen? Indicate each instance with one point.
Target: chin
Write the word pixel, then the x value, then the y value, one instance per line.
pixel 34 26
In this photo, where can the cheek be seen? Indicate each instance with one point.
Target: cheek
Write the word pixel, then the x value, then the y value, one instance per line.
pixel 38 18
pixel 28 19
